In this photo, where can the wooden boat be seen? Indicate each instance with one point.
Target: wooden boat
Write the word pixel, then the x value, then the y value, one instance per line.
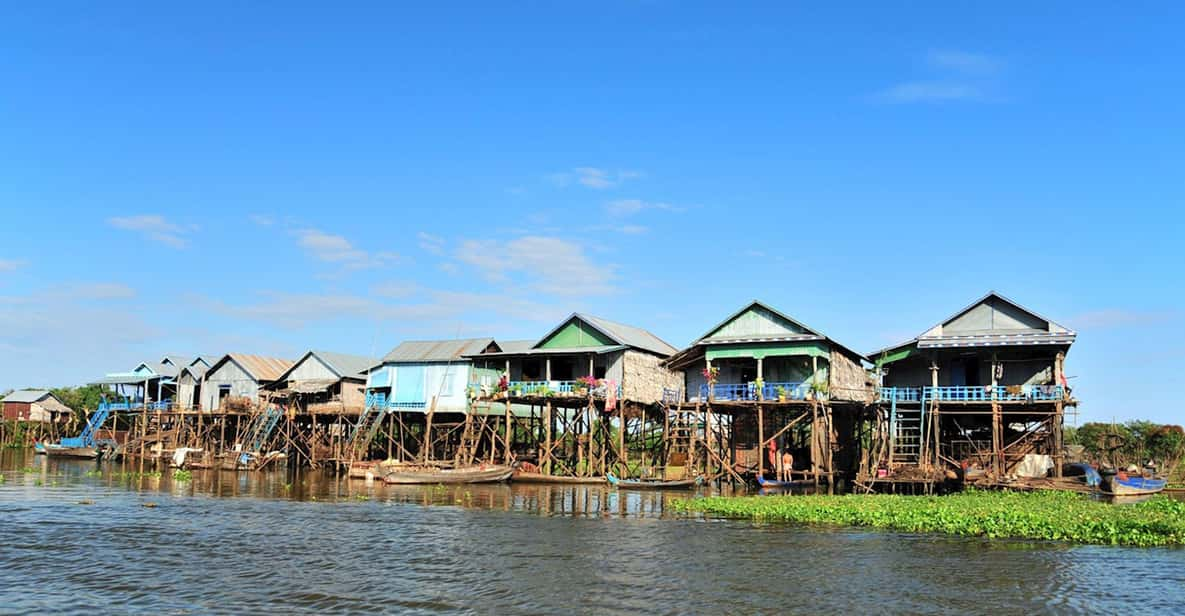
pixel 493 473
pixel 1123 485
pixel 521 476
pixel 652 484
pixel 39 449
pixel 767 484
pixel 58 451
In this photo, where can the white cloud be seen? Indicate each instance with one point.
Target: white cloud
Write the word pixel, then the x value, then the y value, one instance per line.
pixel 964 62
pixel 594 177
pixel 263 220
pixel 959 77
pixel 153 227
pixel 544 264
pixel 930 92
pixel 338 250
pixel 10 265
pixel 629 207
pixel 1117 317
pixel 431 243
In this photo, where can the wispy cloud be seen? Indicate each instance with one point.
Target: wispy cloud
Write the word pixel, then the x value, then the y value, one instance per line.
pixel 430 243
pixel 595 178
pixel 955 76
pixel 629 207
pixel 263 220
pixel 1118 317
pixel 929 91
pixel 544 264
pixel 338 250
pixel 155 228
pixel 11 265
pixel 965 62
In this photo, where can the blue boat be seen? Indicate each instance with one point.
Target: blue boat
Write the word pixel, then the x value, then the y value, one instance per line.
pixel 767 484
pixel 1123 485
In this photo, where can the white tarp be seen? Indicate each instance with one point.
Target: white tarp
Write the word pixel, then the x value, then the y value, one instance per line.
pixel 1035 465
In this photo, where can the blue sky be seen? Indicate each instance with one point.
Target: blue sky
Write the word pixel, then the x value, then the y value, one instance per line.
pixel 274 178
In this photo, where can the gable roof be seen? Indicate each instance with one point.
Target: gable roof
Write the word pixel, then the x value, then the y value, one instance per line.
pixel 260 368
pixel 341 364
pixel 808 334
pixel 415 351
pixel 29 396
pixel 197 370
pixel 1050 333
pixel 623 335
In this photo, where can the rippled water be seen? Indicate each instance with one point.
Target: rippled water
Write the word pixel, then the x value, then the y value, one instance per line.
pixel 79 539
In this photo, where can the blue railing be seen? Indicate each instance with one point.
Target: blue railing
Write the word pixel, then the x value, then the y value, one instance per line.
pixel 975 393
pixel 672 396
pixel 748 391
pixel 901 394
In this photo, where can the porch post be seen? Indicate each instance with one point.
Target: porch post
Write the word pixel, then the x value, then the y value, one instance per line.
pixel 548 364
pixel 591 369
pixel 707 380
pixel 760 441
pixel 760 393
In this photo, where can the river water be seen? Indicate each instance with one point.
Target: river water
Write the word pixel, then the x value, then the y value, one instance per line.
pixel 83 537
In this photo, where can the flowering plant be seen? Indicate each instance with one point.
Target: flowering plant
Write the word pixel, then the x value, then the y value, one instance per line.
pixel 588 381
pixel 711 374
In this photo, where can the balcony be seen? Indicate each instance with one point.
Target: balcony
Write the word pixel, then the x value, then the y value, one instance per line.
pixel 748 392
pixel 988 393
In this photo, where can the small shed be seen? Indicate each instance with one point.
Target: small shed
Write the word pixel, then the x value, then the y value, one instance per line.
pixel 238 378
pixel 324 381
pixel 35 405
pixel 417 372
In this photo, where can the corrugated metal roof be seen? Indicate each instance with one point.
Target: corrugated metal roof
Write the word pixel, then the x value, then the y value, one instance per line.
pixel 260 368
pixel 347 365
pixel 436 350
pixel 630 336
pixel 515 346
pixel 27 395
pixel 978 339
pixel 198 371
pixel 560 351
pixel 342 364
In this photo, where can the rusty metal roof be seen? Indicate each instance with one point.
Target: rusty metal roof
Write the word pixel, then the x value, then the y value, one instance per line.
pixel 436 350
pixel 262 369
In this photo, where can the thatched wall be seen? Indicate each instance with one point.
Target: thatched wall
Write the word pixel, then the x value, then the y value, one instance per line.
pixel 644 378
pixel 849 381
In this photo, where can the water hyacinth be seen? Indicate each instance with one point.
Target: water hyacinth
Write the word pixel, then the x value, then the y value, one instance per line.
pixel 1047 515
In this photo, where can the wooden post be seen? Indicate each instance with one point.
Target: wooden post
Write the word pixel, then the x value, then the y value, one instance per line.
pixel 545 459
pixel 623 456
pixel 506 433
pixel 426 452
pixel 760 441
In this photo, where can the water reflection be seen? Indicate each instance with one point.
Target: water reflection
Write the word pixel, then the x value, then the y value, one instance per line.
pixel 310 542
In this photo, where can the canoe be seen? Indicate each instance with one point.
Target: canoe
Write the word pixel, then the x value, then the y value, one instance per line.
pixel 528 477
pixel 773 483
pixel 39 448
pixel 494 473
pixel 652 484
pixel 55 450
pixel 1131 486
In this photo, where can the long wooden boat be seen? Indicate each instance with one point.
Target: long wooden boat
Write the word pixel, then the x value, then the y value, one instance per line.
pixel 521 476
pixel 494 473
pixel 55 450
pixel 1120 485
pixel 652 484
pixel 767 484
pixel 39 449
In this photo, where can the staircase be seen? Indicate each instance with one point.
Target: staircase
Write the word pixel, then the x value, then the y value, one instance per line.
pixel 260 429
pixel 87 438
pixel 905 437
pixel 681 434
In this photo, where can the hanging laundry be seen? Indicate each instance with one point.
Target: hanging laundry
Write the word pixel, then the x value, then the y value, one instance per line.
pixel 610 395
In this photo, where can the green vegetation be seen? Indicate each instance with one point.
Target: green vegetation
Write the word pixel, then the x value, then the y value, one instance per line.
pixel 182 475
pixel 1134 442
pixel 1055 516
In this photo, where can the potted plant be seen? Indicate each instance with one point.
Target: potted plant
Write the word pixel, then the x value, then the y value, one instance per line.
pixel 759 388
pixel 710 375
pixel 781 391
pixel 819 390
pixel 584 385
